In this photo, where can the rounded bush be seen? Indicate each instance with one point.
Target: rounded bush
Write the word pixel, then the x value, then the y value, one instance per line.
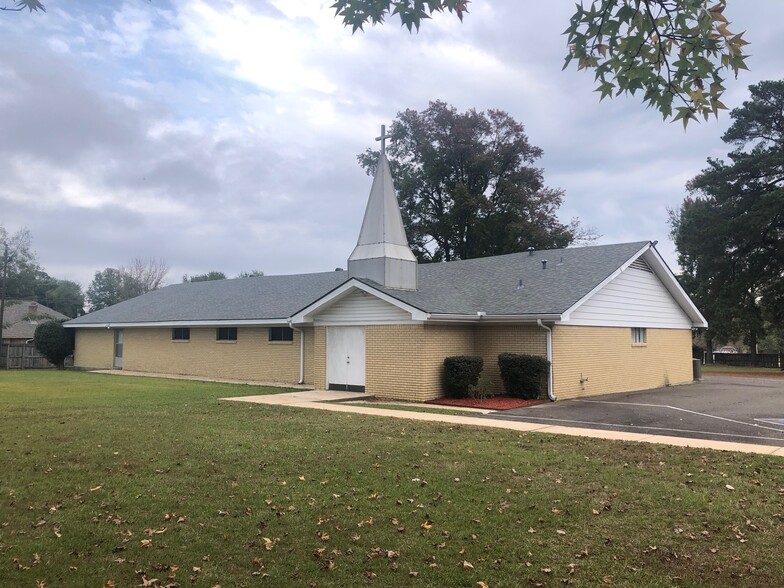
pixel 54 342
pixel 461 374
pixel 524 376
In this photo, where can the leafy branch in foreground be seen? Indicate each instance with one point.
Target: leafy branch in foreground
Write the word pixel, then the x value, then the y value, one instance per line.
pixel 31 5
pixel 675 51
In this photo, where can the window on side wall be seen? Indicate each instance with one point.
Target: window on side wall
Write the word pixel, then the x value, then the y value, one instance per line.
pixel 639 335
pixel 226 334
pixel 181 334
pixel 281 334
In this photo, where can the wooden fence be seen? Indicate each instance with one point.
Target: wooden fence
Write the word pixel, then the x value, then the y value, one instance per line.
pixel 768 360
pixel 24 357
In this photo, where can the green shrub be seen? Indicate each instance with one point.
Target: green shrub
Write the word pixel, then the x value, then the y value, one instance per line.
pixel 54 342
pixel 481 390
pixel 461 373
pixel 524 376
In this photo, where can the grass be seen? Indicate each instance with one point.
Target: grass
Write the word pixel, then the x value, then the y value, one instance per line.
pixel 111 481
pixel 414 408
pixel 719 369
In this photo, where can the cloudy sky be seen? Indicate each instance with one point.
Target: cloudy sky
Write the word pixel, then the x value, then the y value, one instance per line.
pixel 223 134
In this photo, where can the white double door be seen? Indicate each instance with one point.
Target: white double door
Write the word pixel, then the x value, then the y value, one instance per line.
pixel 346 358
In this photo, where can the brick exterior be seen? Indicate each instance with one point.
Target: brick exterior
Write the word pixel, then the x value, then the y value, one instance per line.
pixel 393 361
pixel 607 357
pixel 320 355
pixel 94 349
pixel 405 362
pixel 492 340
pixel 251 357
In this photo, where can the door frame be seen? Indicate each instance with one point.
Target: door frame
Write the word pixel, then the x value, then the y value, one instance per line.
pixel 345 386
pixel 119 338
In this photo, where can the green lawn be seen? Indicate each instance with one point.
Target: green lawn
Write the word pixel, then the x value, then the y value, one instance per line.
pixel 113 481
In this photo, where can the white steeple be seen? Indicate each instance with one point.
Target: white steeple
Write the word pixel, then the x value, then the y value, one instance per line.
pixel 382 253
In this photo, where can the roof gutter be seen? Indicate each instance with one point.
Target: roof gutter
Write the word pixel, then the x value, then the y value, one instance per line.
pixel 550 391
pixel 301 352
pixel 209 323
pixel 484 317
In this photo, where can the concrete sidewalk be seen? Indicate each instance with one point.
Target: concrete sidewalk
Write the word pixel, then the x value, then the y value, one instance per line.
pixel 337 402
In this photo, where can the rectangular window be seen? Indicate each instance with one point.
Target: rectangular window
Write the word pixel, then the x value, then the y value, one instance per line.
pixel 281 334
pixel 181 334
pixel 226 334
pixel 639 335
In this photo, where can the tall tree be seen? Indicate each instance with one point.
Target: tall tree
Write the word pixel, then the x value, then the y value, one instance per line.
pixel 671 51
pixel 18 267
pixel 112 285
pixel 468 187
pixel 105 289
pixel 730 232
pixel 208 277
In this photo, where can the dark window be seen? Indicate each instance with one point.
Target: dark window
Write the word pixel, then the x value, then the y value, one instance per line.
pixel 227 334
pixel 181 334
pixel 639 335
pixel 281 334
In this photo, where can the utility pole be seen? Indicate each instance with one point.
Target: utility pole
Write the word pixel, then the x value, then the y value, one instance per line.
pixel 2 288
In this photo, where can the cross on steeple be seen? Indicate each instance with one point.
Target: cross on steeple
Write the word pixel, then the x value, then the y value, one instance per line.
pixel 383 139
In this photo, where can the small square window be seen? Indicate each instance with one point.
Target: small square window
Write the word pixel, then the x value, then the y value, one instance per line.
pixel 226 334
pixel 181 334
pixel 639 335
pixel 281 334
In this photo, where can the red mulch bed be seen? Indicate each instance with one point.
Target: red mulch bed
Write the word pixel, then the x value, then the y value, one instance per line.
pixel 492 403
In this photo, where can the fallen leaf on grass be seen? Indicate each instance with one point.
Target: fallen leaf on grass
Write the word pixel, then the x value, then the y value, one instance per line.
pixel 730 488
pixel 57 532
pixel 146 543
pixel 482 585
pixel 152 532
pixel 466 565
pixel 98 487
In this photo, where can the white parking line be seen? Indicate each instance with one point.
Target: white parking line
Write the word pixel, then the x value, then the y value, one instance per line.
pixel 709 433
pixel 709 416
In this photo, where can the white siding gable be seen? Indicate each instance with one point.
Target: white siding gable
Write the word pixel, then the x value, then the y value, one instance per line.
pixel 361 308
pixel 635 298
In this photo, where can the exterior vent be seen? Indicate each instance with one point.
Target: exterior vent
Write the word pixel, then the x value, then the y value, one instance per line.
pixel 640 264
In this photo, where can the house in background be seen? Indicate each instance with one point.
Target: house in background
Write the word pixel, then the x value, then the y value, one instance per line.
pixel 610 318
pixel 20 318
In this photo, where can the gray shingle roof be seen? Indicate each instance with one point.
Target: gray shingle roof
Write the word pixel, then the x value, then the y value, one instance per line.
pixel 489 284
pixel 20 324
pixel 492 284
pixel 261 298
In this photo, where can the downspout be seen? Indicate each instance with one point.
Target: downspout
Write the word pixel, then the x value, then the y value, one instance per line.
pixel 301 353
pixel 550 392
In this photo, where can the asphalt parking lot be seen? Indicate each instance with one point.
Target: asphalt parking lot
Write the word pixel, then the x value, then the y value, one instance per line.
pixel 719 408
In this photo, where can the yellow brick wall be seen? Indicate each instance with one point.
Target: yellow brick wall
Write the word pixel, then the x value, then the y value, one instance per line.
pixel 607 358
pixel 94 348
pixel 251 357
pixel 492 340
pixel 393 361
pixel 442 341
pixel 406 362
pixel 320 358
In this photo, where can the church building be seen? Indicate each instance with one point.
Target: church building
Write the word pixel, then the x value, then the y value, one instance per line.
pixel 610 318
